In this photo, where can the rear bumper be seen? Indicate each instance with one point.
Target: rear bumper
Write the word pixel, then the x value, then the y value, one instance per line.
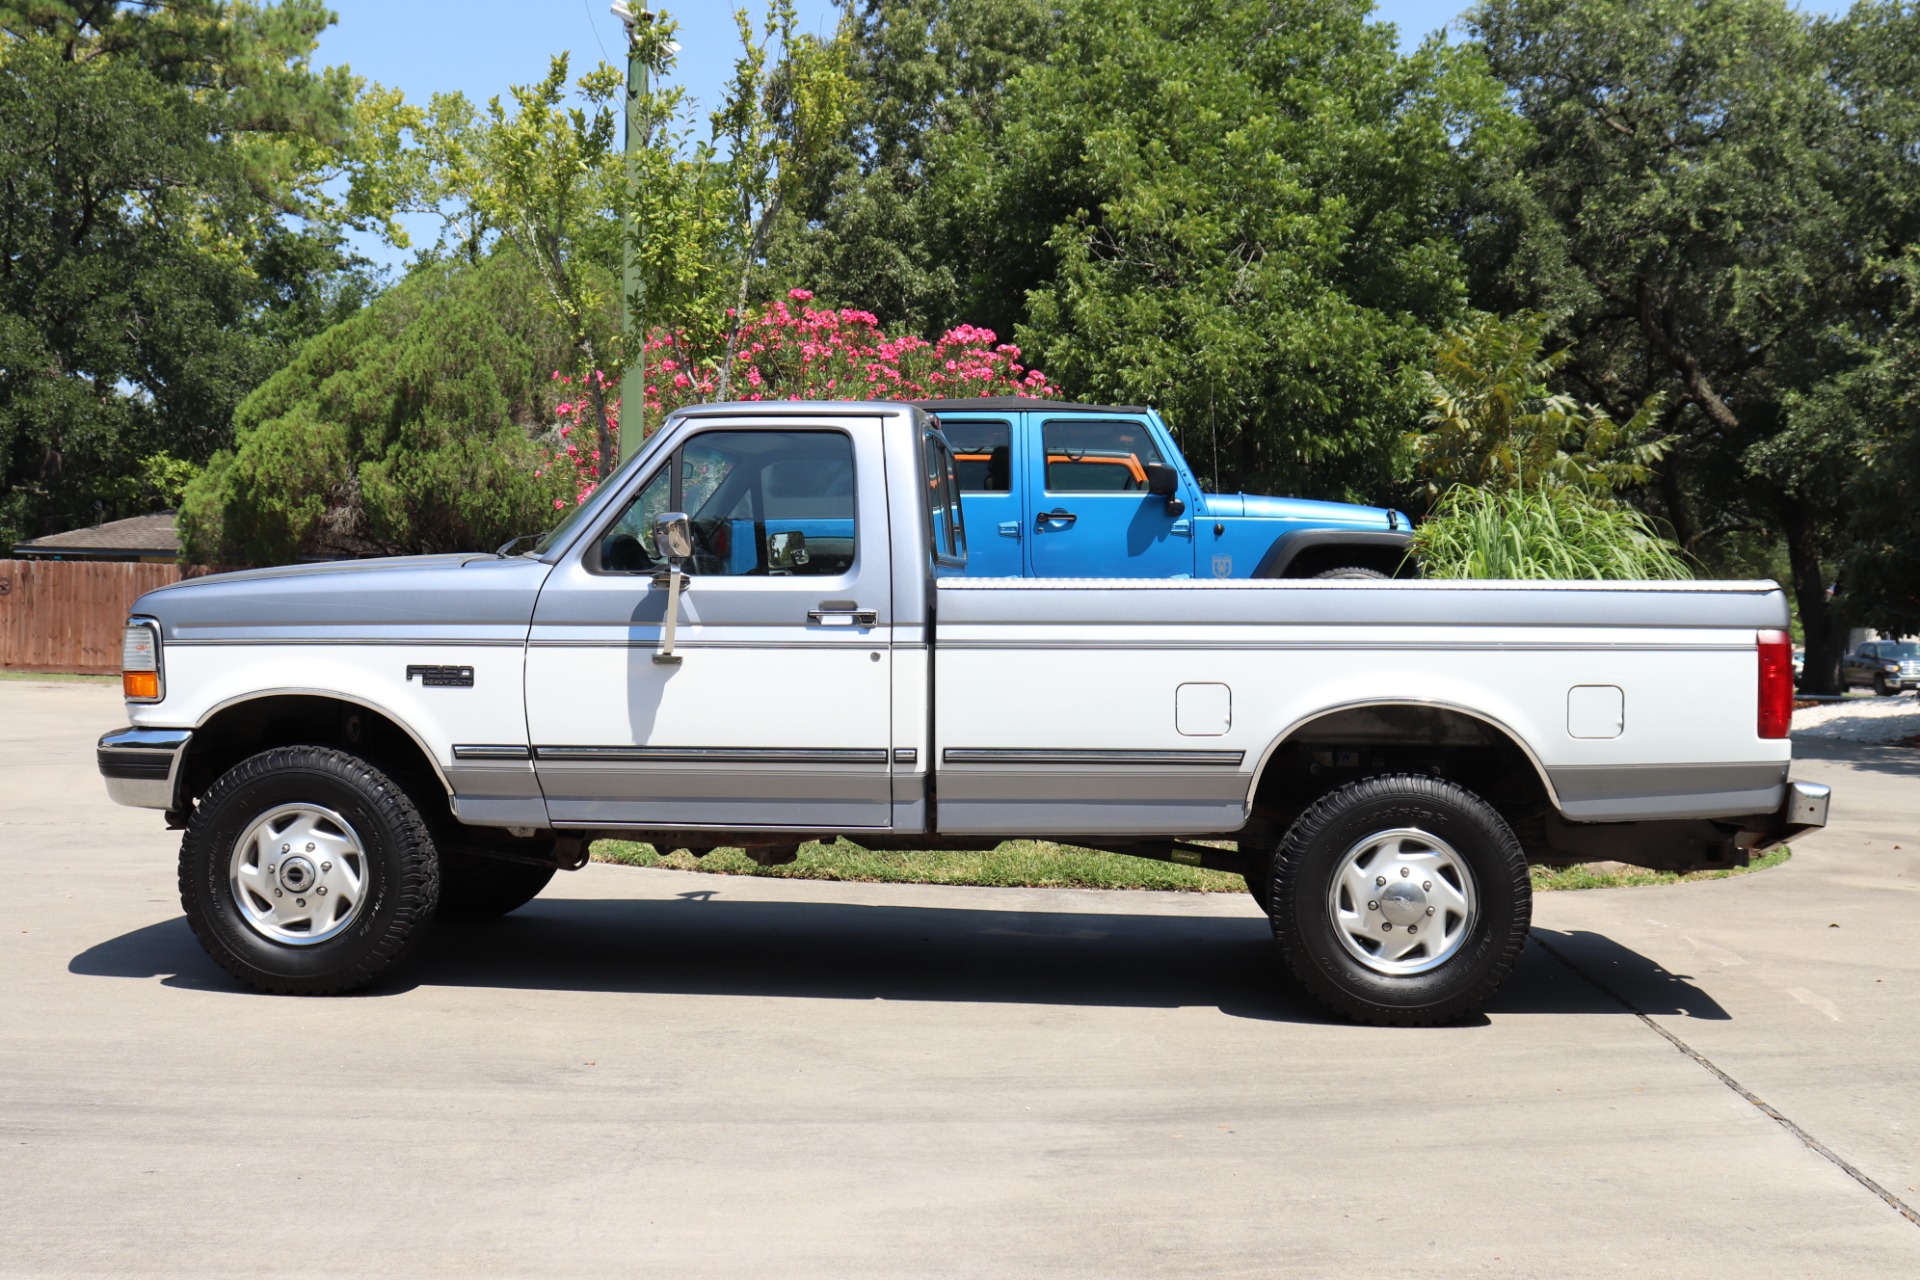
pixel 1803 810
pixel 142 766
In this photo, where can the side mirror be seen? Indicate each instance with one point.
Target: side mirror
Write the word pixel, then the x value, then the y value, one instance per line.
pixel 1164 482
pixel 673 536
pixel 787 551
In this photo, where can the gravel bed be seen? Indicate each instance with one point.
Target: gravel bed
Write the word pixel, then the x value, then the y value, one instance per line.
pixel 1862 719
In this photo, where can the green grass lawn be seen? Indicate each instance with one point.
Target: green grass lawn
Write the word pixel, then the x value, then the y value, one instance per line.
pixel 1041 864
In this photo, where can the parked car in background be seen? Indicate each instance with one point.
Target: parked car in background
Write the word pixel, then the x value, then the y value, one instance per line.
pixel 1052 490
pixel 1885 666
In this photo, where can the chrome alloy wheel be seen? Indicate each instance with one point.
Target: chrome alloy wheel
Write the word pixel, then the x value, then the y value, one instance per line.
pixel 1402 902
pixel 299 874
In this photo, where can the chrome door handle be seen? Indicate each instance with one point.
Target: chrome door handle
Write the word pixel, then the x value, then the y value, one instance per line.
pixel 843 617
pixel 1058 515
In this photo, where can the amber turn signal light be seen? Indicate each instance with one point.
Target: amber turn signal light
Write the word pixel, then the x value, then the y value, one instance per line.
pixel 141 684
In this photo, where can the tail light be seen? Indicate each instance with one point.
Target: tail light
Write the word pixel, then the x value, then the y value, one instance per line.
pixel 140 661
pixel 1776 684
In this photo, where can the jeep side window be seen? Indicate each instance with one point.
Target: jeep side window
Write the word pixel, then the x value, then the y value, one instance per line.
pixel 982 455
pixel 1098 457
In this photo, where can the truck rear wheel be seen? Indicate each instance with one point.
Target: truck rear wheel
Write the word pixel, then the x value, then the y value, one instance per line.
pixel 1401 900
pixel 307 871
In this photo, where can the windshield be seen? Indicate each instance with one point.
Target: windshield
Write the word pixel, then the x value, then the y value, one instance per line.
pixel 1908 650
pixel 558 534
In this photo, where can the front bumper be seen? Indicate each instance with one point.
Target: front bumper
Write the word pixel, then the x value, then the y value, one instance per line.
pixel 1805 809
pixel 142 766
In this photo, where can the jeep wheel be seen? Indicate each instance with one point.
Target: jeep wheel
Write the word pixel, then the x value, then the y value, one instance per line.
pixel 1401 900
pixel 478 888
pixel 307 871
pixel 1350 571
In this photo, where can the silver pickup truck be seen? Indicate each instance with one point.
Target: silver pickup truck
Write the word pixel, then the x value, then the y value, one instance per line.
pixel 758 633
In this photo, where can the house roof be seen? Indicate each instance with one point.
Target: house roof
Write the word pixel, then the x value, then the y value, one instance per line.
pixel 138 536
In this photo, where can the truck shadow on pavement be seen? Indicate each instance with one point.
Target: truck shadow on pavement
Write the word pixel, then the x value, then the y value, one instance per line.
pixel 706 944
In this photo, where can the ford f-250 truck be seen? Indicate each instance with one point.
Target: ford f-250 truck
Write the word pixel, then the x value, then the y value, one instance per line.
pixel 1055 490
pixel 758 632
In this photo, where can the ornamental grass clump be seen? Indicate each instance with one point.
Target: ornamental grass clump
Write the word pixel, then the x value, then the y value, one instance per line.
pixel 1541 533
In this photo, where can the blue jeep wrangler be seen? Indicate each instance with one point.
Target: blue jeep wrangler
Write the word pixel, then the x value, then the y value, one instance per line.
pixel 1052 490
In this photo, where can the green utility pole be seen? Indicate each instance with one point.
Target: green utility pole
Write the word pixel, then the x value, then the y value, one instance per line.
pixel 633 325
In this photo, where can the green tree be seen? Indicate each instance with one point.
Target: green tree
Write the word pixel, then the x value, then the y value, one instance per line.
pixel 1496 423
pixel 885 221
pixel 778 122
pixel 1240 212
pixel 1863 428
pixel 163 238
pixel 422 423
pixel 1692 199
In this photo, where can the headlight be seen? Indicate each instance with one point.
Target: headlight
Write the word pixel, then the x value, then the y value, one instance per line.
pixel 1891 668
pixel 141 678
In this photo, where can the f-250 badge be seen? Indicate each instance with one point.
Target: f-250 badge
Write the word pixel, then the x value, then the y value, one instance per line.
pixel 443 677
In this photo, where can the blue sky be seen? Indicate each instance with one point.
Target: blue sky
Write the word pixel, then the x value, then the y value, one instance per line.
pixel 481 47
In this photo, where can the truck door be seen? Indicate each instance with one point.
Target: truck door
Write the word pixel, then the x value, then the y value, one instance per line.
pixel 777 710
pixel 1090 515
pixel 992 476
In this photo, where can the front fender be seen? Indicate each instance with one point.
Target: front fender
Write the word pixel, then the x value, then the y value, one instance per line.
pixel 1380 544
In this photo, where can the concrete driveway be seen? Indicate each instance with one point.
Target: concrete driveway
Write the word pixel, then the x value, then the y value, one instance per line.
pixel 654 1073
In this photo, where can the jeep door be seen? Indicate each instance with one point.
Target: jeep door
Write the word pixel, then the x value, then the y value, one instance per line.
pixel 992 470
pixel 1090 513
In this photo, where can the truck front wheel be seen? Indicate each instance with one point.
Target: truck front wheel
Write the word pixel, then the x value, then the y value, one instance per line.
pixel 307 871
pixel 1401 900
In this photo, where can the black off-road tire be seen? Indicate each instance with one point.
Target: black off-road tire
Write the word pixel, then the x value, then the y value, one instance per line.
pixel 402 871
pixel 1350 571
pixel 477 888
pixel 1317 846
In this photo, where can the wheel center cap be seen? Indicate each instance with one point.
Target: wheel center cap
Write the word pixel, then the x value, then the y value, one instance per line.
pixel 1403 902
pixel 297 875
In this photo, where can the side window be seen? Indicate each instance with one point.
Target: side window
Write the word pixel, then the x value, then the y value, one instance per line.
pixel 762 503
pixel 945 532
pixel 1108 456
pixel 627 545
pixel 982 455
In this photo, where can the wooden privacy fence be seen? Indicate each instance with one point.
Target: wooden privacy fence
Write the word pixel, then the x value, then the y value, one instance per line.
pixel 67 615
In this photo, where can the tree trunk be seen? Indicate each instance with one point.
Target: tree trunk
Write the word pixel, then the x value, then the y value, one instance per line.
pixel 1684 530
pixel 756 246
pixel 602 437
pixel 1820 623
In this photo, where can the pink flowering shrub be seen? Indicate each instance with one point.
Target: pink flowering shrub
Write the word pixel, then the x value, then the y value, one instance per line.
pixel 799 352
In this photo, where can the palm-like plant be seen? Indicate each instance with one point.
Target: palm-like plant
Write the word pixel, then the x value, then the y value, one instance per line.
pixel 1496 424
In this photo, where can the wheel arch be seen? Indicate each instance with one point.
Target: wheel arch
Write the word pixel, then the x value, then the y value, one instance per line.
pixel 1414 723
pixel 1303 553
pixel 242 726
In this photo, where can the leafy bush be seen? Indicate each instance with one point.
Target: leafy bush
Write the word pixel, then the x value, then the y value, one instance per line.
pixel 1494 421
pixel 421 424
pixel 800 352
pixel 1541 533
